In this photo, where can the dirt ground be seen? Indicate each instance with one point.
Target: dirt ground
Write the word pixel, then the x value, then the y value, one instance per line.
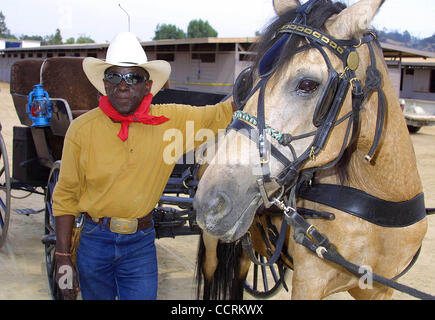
pixel 22 266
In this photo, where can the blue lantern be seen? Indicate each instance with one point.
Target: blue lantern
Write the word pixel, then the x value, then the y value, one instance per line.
pixel 39 107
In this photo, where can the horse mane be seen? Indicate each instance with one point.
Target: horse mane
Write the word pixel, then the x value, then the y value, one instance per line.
pixel 226 283
pixel 320 13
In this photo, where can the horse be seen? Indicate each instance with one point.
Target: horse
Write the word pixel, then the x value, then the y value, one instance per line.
pixel 321 129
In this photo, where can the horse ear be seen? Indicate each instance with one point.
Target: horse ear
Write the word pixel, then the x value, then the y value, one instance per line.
pixel 353 20
pixel 282 6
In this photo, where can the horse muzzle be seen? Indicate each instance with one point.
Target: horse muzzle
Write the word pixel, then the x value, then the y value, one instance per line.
pixel 224 214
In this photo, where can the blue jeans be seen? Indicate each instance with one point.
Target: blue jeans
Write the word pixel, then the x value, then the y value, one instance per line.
pixel 114 265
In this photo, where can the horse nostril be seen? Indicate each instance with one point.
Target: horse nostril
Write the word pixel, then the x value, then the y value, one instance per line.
pixel 220 203
pixel 212 212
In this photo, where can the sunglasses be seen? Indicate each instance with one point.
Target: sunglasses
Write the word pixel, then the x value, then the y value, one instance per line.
pixel 129 78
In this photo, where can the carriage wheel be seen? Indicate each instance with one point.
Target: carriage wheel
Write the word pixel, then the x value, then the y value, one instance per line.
pixel 5 192
pixel 49 239
pixel 266 281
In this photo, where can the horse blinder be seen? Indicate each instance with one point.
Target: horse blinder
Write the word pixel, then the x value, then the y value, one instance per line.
pixel 242 88
pixel 326 99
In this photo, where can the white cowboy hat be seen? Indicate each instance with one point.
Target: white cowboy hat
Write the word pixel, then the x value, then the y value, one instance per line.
pixel 126 51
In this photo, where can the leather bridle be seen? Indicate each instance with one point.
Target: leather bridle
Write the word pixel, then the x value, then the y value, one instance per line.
pixel 327 109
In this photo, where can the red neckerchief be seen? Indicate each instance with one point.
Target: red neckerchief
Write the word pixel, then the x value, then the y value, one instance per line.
pixel 141 115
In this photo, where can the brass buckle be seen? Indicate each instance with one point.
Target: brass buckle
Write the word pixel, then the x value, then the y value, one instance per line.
pixel 307 233
pixel 359 44
pixel 312 154
pixel 123 225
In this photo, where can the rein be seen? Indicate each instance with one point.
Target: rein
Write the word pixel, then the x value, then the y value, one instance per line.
pixel 291 177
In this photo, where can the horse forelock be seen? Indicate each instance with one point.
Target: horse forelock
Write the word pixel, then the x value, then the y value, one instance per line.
pixel 320 13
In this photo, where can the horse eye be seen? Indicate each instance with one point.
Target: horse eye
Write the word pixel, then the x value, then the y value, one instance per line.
pixel 307 86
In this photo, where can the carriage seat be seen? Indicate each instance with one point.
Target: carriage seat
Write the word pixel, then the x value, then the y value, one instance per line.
pixel 64 78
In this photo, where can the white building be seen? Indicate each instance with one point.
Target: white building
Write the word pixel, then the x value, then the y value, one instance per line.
pixel 412 71
pixel 10 43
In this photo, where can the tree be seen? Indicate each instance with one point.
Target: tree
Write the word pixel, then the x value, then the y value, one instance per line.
pixel 53 39
pixel 34 37
pixel 406 36
pixel 57 39
pixel 168 31
pixel 200 29
pixel 3 28
pixel 84 39
pixel 4 31
pixel 70 40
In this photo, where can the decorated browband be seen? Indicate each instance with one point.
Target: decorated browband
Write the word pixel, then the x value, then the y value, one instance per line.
pixel 349 56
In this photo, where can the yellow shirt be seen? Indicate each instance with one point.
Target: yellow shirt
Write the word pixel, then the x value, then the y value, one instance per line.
pixel 106 177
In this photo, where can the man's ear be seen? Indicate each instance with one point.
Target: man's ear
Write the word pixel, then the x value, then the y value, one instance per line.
pixel 105 85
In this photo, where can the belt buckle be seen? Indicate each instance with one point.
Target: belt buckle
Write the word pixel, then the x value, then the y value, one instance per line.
pixel 123 225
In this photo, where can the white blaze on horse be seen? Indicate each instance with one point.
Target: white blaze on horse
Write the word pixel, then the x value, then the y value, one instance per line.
pixel 328 136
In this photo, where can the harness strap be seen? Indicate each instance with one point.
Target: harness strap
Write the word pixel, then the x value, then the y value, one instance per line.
pixel 410 265
pixel 357 101
pixel 248 247
pixel 277 238
pixel 262 140
pixel 365 206
pixel 374 83
pixel 308 236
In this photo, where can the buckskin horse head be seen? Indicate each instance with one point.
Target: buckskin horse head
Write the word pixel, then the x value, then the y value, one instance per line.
pixel 319 128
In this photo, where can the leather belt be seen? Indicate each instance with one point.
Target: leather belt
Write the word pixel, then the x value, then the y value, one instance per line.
pixel 123 225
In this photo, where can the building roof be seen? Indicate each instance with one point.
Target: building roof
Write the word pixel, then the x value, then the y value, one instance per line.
pixel 418 63
pixel 390 50
pixel 144 43
pixel 199 41
pixel 10 40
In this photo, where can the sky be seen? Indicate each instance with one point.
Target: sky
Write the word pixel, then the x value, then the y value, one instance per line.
pixel 103 19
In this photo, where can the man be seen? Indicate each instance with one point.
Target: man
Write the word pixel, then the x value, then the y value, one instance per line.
pixel 113 171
